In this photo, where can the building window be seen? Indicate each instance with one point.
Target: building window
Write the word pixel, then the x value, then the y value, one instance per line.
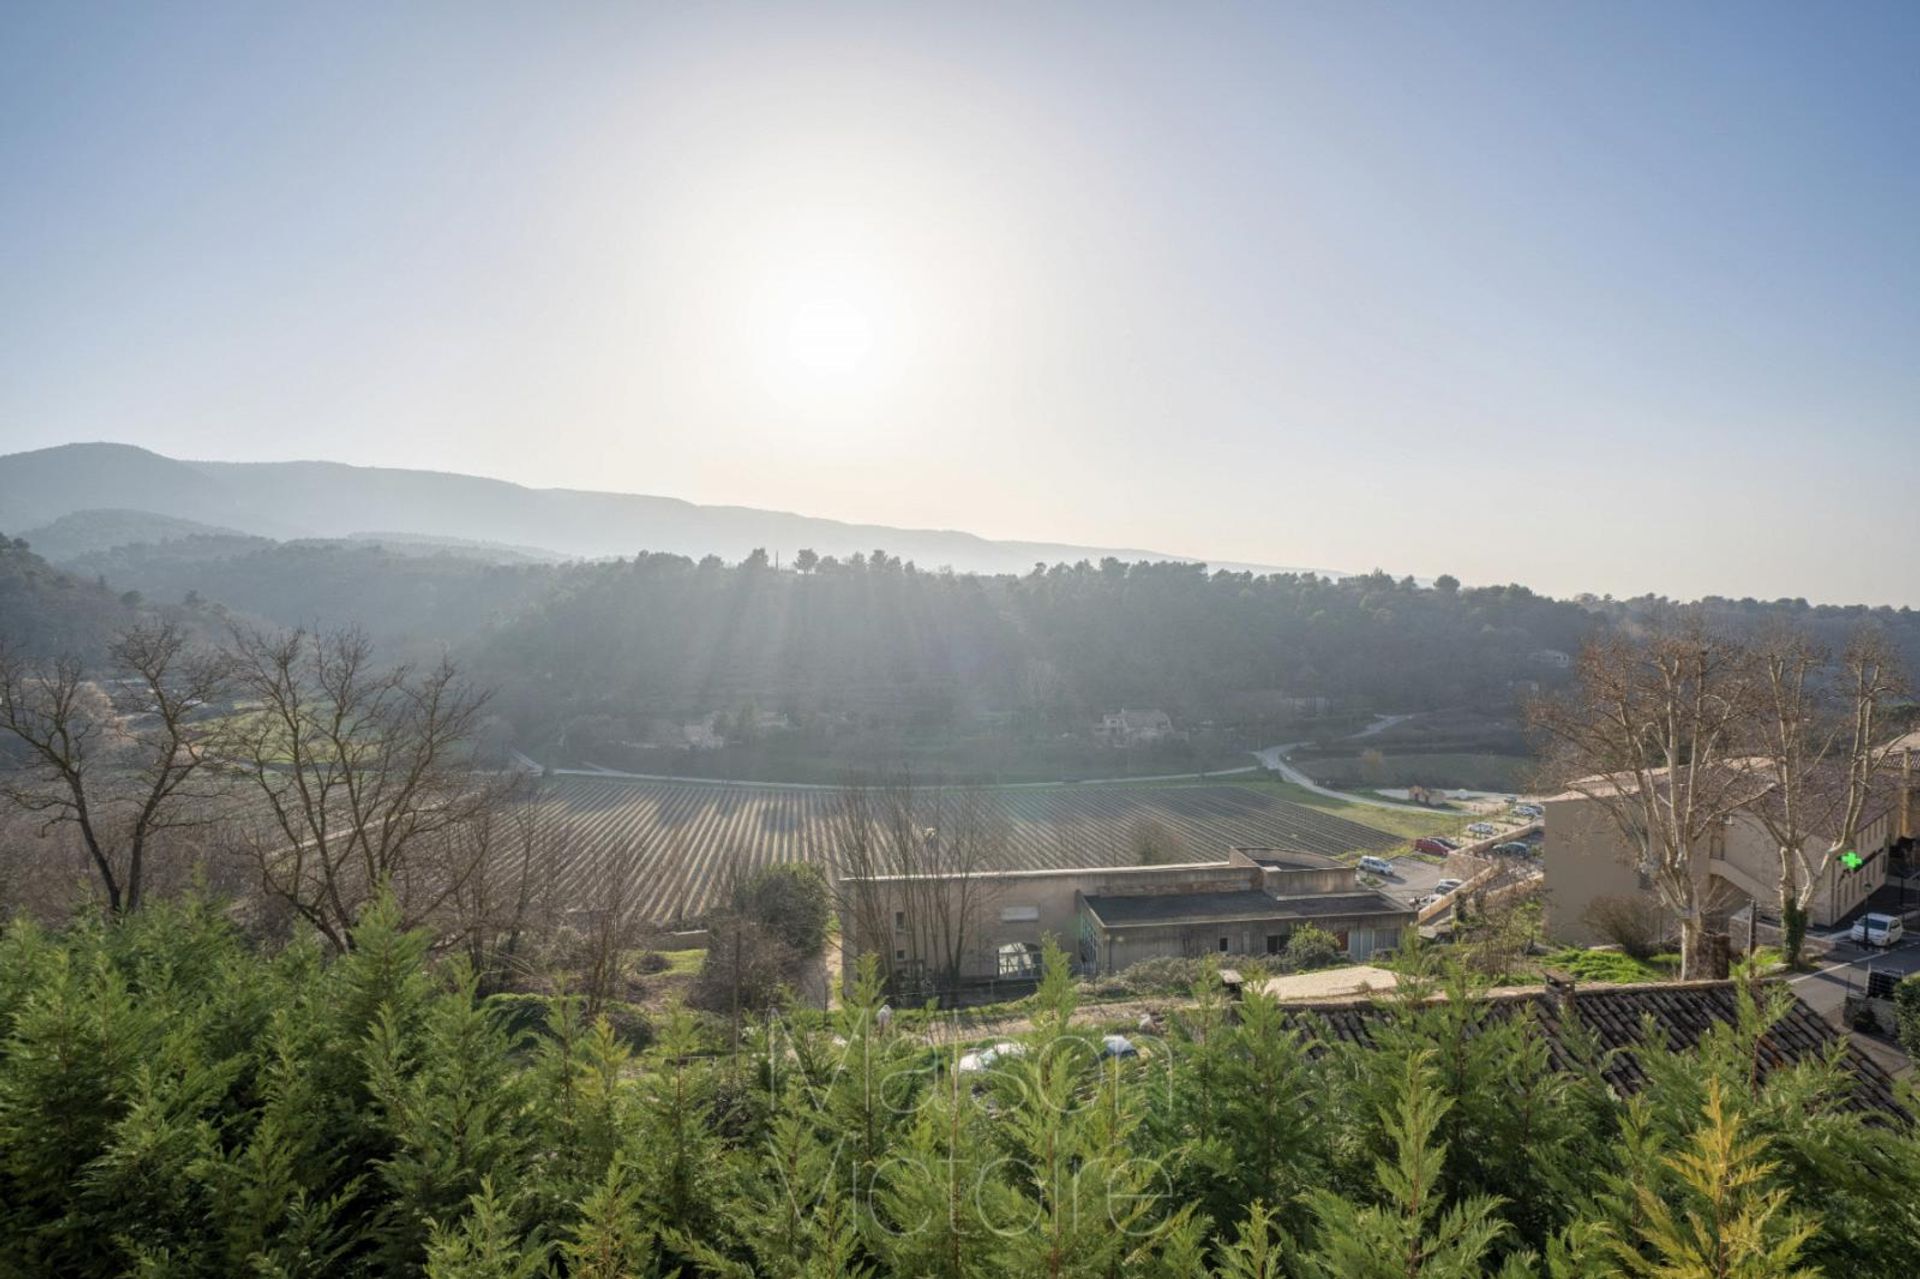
pixel 1223 945
pixel 1019 914
pixel 1276 942
pixel 900 955
pixel 899 921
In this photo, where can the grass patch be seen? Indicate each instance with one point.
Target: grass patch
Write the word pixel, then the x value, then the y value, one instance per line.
pixel 1613 965
pixel 1450 769
pixel 1395 821
pixel 683 963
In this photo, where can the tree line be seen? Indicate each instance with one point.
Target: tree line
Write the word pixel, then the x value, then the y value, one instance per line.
pixel 877 643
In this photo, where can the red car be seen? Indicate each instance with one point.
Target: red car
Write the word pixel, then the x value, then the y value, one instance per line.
pixel 1433 846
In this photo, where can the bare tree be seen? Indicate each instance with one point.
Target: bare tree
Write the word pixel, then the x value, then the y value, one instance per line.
pixel 361 775
pixel 912 866
pixel 121 761
pixel 612 931
pixel 1649 735
pixel 515 848
pixel 1637 925
pixel 1818 743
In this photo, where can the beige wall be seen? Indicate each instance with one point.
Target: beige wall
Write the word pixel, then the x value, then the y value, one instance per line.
pixel 1028 906
pixel 1281 882
pixel 1136 943
pixel 1582 858
pixel 1585 857
pixel 1025 907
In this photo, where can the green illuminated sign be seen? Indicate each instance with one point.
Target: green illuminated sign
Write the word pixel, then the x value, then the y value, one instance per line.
pixel 1851 860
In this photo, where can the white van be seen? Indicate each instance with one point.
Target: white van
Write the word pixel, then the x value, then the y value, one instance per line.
pixel 1879 930
pixel 1376 865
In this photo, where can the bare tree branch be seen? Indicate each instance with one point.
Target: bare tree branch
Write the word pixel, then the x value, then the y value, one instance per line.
pixel 1649 735
pixel 362 776
pixel 124 759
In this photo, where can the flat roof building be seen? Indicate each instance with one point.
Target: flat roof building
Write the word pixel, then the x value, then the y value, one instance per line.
pixel 943 932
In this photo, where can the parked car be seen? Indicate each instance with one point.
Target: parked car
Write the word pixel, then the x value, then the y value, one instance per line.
pixel 1482 828
pixel 1445 886
pixel 1451 845
pixel 1435 847
pixel 1117 1046
pixel 1878 930
pixel 1376 865
pixel 1426 901
pixel 1529 810
pixel 1514 848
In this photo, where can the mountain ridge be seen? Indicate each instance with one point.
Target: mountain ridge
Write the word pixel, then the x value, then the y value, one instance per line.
pixel 325 499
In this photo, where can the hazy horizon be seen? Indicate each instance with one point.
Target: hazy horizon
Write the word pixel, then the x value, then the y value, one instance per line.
pixel 1616 300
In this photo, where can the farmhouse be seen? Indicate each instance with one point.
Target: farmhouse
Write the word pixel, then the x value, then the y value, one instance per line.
pixel 1133 728
pixel 954 930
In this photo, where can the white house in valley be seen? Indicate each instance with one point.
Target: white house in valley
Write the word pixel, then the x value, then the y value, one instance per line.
pixel 1133 728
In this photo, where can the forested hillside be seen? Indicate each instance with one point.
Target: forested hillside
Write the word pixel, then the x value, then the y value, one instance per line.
pixel 873 656
pixel 879 641
pixel 47 611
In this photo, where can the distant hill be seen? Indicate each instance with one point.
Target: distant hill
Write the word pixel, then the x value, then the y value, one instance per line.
pixel 457 547
pixel 286 500
pixel 87 532
pixel 48 612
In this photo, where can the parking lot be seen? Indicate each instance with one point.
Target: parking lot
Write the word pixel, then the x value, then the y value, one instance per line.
pixel 1413 878
pixel 1415 874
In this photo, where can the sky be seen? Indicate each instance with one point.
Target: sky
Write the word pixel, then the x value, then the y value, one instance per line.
pixel 1617 297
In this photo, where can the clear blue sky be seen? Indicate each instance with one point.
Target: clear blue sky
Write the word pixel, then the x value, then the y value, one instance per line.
pixel 1611 297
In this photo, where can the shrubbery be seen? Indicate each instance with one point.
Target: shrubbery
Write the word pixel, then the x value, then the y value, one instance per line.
pixel 1309 947
pixel 1906 1012
pixel 1637 923
pixel 176 1104
pixel 775 922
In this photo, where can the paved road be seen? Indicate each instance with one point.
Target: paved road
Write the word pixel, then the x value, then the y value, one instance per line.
pixel 1275 758
pixel 1381 724
pixel 1844 969
pixel 596 770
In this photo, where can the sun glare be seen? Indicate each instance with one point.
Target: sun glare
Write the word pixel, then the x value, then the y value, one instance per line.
pixel 829 336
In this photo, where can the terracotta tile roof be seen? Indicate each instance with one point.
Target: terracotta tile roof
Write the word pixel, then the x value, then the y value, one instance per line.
pixel 1616 1016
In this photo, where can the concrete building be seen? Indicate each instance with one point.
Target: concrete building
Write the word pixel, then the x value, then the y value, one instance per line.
pixel 1585 858
pixel 1110 917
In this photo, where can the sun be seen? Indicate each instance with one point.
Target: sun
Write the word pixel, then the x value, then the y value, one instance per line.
pixel 829 336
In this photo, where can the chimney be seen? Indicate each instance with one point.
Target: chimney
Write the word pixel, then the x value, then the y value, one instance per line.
pixel 1560 991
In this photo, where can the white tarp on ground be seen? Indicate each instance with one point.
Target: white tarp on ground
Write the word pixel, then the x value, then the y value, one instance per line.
pixel 1332 983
